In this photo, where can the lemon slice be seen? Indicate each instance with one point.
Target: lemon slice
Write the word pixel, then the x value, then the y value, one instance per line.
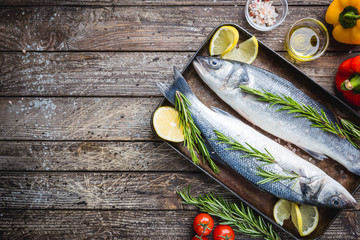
pixel 245 52
pixel 166 124
pixel 224 40
pixel 310 219
pixel 305 218
pixel 281 211
pixel 296 217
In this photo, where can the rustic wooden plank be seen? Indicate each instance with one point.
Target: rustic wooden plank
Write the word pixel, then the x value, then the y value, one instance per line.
pixel 87 74
pixel 98 225
pixel 106 190
pixel 77 118
pixel 117 224
pixel 91 156
pixel 102 190
pixel 143 2
pixel 149 28
pixel 118 73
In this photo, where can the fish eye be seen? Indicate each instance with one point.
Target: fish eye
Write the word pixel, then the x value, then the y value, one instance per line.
pixel 214 62
pixel 336 202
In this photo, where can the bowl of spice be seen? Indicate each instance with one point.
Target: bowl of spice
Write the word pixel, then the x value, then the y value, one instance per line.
pixel 265 15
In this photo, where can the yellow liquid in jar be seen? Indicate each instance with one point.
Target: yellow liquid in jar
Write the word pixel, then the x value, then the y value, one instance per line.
pixel 304 42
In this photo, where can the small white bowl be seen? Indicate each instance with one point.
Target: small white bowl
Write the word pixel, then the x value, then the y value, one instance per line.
pixel 281 7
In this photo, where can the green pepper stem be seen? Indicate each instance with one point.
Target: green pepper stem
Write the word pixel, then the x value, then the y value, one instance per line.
pixel 351 15
pixel 352 84
pixel 348 17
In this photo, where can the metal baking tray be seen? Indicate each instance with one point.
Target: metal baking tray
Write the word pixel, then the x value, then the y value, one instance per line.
pixel 258 200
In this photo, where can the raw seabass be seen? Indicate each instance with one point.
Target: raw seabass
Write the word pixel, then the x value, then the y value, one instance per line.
pixel 313 186
pixel 224 78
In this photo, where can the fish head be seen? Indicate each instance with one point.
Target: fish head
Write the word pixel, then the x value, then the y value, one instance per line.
pixel 221 75
pixel 328 192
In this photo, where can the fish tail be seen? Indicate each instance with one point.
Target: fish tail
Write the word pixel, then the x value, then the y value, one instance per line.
pixel 179 85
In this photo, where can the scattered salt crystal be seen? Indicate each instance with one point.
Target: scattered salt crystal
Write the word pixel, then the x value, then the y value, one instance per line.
pixel 24 51
pixel 10 102
pixel 350 51
pixel 262 12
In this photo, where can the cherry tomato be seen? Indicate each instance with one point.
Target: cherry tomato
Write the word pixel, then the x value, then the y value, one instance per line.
pixel 224 232
pixel 199 238
pixel 203 224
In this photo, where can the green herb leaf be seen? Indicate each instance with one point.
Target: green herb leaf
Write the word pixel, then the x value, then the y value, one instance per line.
pixel 241 218
pixel 348 130
pixel 193 140
pixel 267 158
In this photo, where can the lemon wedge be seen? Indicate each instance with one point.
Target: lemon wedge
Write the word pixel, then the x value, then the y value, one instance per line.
pixel 310 219
pixel 224 40
pixel 281 211
pixel 166 124
pixel 296 217
pixel 305 218
pixel 245 52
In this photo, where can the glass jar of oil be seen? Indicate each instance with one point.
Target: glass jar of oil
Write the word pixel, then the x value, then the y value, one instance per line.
pixel 307 39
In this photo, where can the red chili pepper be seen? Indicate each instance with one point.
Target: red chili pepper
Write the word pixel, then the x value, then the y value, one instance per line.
pixel 348 80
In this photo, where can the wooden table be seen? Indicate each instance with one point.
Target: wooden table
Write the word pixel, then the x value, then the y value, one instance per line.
pixel 78 158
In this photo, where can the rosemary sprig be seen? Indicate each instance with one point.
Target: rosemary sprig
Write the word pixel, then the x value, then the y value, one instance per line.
pixel 267 158
pixel 348 131
pixel 350 128
pixel 275 177
pixel 251 152
pixel 242 218
pixel 192 135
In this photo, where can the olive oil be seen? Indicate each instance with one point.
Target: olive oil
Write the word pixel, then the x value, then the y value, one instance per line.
pixel 304 42
pixel 307 39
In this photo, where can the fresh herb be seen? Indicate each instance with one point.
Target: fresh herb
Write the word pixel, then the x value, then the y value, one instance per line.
pixel 349 131
pixel 267 158
pixel 275 177
pixel 242 218
pixel 251 152
pixel 192 135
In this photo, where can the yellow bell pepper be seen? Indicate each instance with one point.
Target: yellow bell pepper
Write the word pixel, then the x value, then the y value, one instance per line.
pixel 343 15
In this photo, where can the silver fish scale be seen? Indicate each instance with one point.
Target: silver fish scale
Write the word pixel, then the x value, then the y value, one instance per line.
pixel 314 186
pixel 296 130
pixel 281 86
pixel 207 121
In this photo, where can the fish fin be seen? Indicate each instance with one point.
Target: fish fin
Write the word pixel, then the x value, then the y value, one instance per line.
pixel 218 110
pixel 318 156
pixel 179 84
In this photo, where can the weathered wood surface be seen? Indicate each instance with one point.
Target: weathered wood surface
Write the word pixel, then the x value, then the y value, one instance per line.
pixel 77 118
pixel 91 156
pixel 144 2
pixel 102 190
pixel 114 190
pixel 117 73
pixel 150 28
pixel 126 224
pixel 87 74
pixel 78 159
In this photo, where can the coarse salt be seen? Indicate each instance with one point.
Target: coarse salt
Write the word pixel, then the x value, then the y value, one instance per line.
pixel 262 12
